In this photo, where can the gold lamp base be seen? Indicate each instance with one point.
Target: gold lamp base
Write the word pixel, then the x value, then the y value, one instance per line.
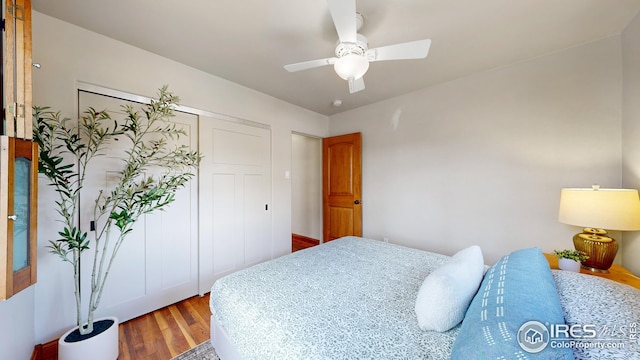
pixel 600 248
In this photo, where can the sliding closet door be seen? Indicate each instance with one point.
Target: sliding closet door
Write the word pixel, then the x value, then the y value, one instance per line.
pixel 158 263
pixel 235 196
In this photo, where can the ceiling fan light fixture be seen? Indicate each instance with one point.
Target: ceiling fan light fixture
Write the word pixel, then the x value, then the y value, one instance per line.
pixel 351 66
pixel 352 53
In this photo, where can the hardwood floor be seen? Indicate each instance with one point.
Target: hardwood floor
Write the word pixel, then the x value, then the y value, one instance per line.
pixel 167 332
pixel 159 335
pixel 299 242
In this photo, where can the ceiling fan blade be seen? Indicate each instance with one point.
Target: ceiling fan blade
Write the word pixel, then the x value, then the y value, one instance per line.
pixel 309 64
pixel 409 50
pixel 356 85
pixel 343 13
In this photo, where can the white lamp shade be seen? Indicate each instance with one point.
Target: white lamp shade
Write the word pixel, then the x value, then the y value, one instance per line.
pixel 609 209
pixel 351 66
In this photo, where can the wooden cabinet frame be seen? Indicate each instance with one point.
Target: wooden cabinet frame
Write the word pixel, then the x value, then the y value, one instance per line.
pixel 12 281
pixel 16 76
pixel 15 143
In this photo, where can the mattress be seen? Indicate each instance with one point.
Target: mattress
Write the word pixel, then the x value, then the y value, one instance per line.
pixel 346 299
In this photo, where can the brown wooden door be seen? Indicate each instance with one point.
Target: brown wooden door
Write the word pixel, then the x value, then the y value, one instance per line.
pixel 341 186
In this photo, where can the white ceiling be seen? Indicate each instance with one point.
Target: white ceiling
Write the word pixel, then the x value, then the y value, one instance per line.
pixel 249 41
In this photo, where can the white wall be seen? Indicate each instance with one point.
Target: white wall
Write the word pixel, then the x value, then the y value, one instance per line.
pixel 478 160
pixel 482 159
pixel 306 186
pixel 16 326
pixel 69 54
pixel 631 132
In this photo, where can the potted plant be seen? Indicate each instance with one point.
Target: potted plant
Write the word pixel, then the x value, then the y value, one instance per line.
pixel 66 150
pixel 570 259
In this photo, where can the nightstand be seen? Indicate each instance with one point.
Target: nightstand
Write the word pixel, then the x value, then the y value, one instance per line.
pixel 616 272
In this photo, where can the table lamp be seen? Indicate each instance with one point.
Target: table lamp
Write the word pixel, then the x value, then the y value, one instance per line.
pixel 611 209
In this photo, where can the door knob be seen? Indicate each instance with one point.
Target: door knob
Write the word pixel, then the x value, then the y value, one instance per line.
pixel 13 217
pixel 357 202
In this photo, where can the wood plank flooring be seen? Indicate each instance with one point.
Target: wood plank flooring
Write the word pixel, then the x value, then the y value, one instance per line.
pixel 159 335
pixel 299 242
pixel 166 332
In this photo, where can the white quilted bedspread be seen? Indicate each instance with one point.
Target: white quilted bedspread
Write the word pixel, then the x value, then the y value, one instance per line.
pixel 351 298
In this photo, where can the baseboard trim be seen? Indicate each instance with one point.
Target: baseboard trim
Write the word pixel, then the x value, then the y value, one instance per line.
pixel 46 351
pixel 299 242
pixel 37 350
pixel 305 239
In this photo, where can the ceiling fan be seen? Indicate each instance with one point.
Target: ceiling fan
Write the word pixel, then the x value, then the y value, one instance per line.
pixel 352 53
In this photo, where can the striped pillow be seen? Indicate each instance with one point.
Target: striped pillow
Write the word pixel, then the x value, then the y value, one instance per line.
pixel 517 289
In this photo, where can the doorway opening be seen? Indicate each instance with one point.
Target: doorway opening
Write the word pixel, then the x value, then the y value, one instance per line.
pixel 306 191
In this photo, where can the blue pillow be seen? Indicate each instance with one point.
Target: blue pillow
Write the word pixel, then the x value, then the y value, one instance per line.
pixel 509 316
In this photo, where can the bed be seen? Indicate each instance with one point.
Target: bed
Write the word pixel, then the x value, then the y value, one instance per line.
pixel 355 298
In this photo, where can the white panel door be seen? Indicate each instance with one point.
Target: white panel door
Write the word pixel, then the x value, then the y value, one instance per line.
pixel 157 264
pixel 235 196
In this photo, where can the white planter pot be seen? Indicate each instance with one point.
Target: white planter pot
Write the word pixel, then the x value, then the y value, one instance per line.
pixel 569 265
pixel 103 346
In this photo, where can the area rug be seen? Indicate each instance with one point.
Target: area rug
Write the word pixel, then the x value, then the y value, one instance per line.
pixel 203 351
